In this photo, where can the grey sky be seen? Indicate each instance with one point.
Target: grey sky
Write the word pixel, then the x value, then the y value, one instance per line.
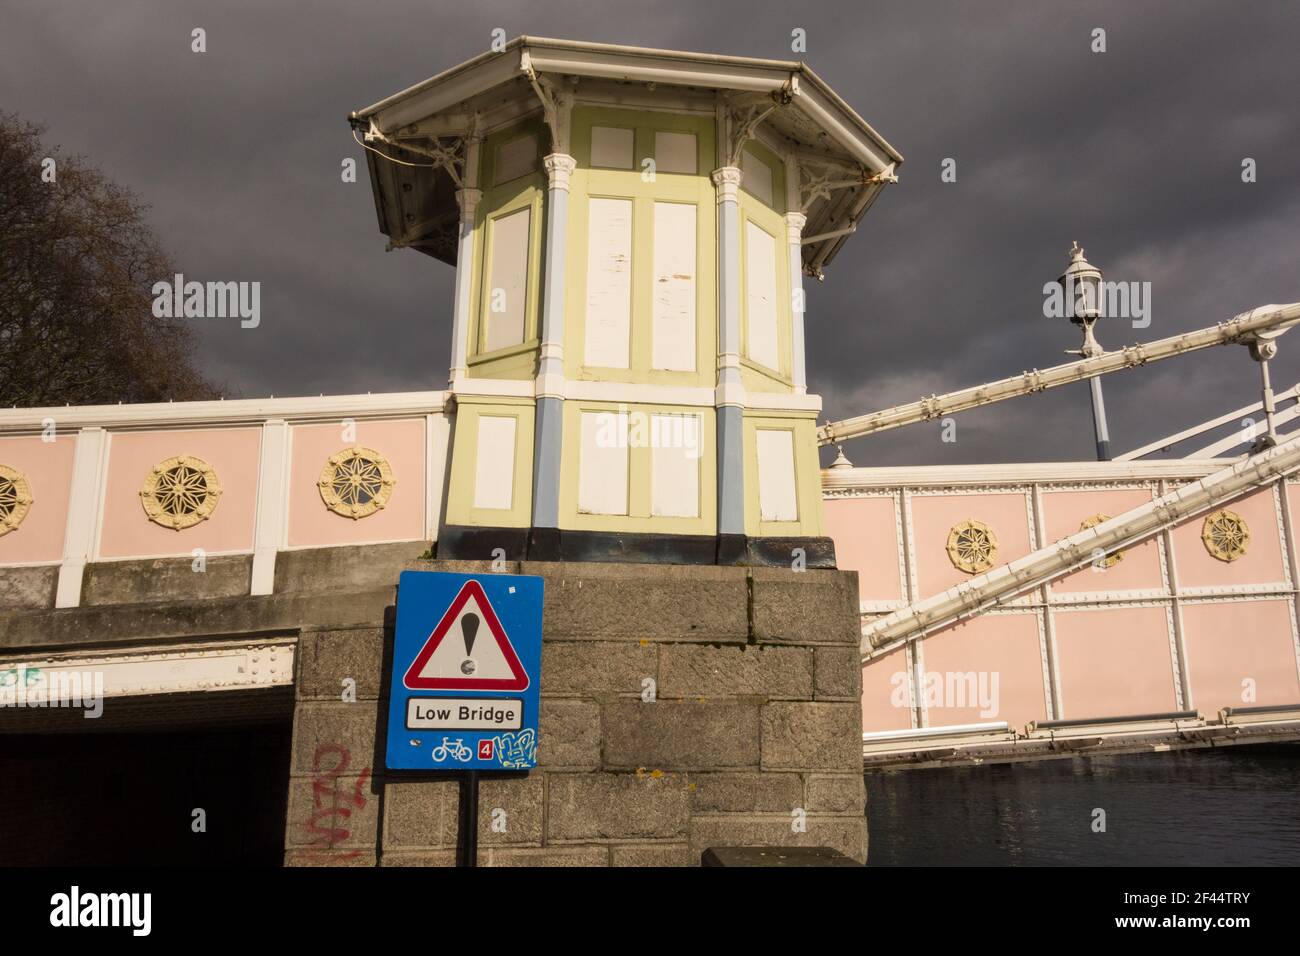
pixel 1135 152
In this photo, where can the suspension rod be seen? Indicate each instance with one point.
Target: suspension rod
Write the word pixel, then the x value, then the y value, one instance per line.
pixel 1241 329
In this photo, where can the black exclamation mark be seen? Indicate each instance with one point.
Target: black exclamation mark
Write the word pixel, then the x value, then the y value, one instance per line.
pixel 468 627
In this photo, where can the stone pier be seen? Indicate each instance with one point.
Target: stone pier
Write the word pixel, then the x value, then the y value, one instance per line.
pixel 682 708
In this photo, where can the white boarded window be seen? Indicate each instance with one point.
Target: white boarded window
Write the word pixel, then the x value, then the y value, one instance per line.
pixel 602 464
pixel 494 467
pixel 505 297
pixel 611 147
pixel 516 158
pixel 776 485
pixel 675 450
pixel 675 153
pixel 609 283
pixel 673 297
pixel 760 278
pixel 757 176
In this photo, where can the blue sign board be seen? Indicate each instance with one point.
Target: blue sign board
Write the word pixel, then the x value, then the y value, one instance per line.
pixel 467 663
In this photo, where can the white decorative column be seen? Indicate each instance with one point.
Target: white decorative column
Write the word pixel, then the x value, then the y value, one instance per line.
pixel 272 504
pixel 468 198
pixel 729 396
pixel 550 372
pixel 794 223
pixel 83 513
pixel 437 441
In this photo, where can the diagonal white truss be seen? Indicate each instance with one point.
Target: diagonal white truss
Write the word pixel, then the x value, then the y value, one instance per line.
pixel 1211 451
pixel 1232 441
pixel 1245 328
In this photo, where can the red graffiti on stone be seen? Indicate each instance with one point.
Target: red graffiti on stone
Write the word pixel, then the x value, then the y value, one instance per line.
pixel 332 802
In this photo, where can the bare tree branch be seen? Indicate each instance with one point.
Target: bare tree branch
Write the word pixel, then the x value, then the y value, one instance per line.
pixel 77 263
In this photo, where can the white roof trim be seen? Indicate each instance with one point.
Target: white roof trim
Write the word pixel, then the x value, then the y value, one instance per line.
pixel 236 411
pixel 612 61
pixel 1020 473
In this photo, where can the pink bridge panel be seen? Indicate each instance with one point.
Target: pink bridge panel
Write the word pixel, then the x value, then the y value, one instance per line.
pixel 1262 562
pixel 865 531
pixel 934 516
pixel 311 524
pixel 126 530
pixel 884 694
pixel 1138 569
pixel 987 669
pixel 48 469
pixel 1114 662
pixel 1232 643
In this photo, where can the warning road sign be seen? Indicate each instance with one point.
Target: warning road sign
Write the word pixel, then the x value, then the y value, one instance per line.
pixel 464 687
pixel 455 657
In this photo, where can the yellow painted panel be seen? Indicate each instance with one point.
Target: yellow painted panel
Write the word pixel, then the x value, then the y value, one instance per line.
pixel 498 203
pixel 766 378
pixel 644 192
pixel 640 469
pixel 464 461
pixel 803 428
pixel 507 293
pixel 776 166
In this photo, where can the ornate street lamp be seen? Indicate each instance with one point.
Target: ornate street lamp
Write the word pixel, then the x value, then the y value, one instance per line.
pixel 1081 283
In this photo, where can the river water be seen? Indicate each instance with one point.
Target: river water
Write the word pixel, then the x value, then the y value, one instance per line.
pixel 1236 806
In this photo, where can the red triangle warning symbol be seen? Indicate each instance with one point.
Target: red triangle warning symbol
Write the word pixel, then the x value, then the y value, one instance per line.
pixel 458 656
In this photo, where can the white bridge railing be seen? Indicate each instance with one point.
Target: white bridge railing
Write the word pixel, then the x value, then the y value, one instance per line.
pixel 1262 323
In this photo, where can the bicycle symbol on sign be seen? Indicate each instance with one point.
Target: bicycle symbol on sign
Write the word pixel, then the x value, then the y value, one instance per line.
pixel 455 749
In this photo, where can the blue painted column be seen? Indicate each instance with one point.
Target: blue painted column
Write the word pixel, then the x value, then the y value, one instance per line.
pixel 549 434
pixel 729 396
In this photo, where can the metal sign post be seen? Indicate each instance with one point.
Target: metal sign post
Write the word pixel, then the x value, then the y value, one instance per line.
pixel 467 848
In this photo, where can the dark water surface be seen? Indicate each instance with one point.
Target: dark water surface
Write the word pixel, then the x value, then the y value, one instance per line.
pixel 1229 807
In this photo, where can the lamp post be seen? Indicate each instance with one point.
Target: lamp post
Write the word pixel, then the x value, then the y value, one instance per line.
pixel 1081 282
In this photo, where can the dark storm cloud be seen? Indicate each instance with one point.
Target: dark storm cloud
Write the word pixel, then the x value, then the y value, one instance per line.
pixel 1135 152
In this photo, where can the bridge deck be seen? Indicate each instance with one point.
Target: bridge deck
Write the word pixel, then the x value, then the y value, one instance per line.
pixel 976 745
